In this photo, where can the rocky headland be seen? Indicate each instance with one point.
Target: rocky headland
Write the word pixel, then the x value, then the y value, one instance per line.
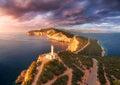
pixel 78 65
pixel 74 42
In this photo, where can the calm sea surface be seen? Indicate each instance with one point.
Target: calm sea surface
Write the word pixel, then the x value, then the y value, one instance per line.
pixel 17 51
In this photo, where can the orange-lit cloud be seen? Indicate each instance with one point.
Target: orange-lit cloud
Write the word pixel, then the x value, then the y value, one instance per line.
pixel 9 24
pixel 21 15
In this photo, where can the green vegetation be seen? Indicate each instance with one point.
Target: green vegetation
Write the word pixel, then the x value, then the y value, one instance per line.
pixel 82 41
pixel 86 61
pixel 77 76
pixel 52 68
pixel 53 31
pixel 115 82
pixel 75 62
pixel 30 73
pixel 101 74
pixel 112 68
pixel 61 80
pixel 77 43
pixel 70 59
pixel 93 49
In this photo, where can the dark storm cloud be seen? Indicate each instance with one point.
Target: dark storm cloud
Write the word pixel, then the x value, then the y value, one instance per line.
pixel 62 11
pixel 20 7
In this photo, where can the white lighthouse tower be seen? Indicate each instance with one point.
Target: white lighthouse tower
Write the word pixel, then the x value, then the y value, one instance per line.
pixel 51 55
pixel 52 50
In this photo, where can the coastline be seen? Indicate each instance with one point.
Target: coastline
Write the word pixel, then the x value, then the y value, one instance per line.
pixel 75 42
pixel 103 50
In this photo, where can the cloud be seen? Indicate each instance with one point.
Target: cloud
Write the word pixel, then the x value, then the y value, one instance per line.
pixel 18 8
pixel 60 12
pixel 75 12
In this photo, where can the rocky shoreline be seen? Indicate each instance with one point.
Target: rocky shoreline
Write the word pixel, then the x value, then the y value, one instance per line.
pixel 21 77
pixel 102 48
pixel 75 43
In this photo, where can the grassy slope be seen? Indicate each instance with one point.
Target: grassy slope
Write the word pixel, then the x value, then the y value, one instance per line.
pixel 61 81
pixel 53 31
pixel 71 59
pixel 51 69
pixel 112 67
pixel 76 42
pixel 93 49
pixel 112 64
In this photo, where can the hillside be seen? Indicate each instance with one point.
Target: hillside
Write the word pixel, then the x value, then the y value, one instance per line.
pixel 80 64
pixel 50 72
pixel 75 42
pixel 72 69
pixel 110 65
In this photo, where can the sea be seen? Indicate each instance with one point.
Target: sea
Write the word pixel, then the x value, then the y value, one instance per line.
pixel 110 41
pixel 18 51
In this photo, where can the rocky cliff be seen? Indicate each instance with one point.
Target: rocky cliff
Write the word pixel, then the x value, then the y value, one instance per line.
pixel 75 42
pixel 59 36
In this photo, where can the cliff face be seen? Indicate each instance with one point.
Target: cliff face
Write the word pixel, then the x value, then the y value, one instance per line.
pixel 31 71
pixel 21 77
pixel 75 42
pixel 50 33
pixel 73 46
pixel 35 33
pixel 59 36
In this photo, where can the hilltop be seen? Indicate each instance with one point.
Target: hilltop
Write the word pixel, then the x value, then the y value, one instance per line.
pixel 74 42
pixel 80 64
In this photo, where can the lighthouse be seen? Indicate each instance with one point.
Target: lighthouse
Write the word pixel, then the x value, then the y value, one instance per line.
pixel 51 55
pixel 52 50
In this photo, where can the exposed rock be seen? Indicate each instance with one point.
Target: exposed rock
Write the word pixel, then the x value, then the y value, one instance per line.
pixel 73 44
pixel 21 77
pixel 59 37
pixel 77 43
pixel 29 76
pixel 30 33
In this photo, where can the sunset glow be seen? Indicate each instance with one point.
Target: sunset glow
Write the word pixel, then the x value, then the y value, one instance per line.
pixel 21 15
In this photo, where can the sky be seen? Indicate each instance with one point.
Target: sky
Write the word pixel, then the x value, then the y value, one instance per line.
pixel 23 15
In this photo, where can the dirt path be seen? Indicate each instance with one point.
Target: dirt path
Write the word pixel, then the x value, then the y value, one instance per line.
pixel 107 81
pixel 77 66
pixel 92 79
pixel 83 47
pixel 38 74
pixel 39 71
pixel 85 77
pixel 68 72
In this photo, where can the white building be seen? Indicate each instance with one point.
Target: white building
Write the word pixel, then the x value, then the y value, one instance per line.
pixel 51 55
